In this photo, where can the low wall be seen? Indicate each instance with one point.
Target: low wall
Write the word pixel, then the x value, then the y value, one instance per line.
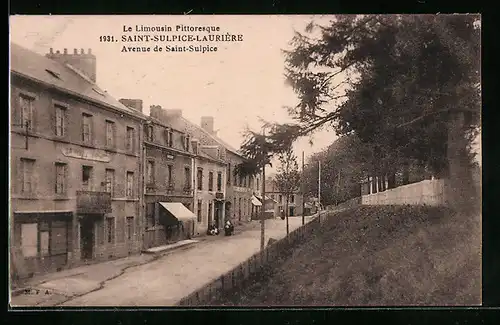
pixel 237 276
pixel 428 192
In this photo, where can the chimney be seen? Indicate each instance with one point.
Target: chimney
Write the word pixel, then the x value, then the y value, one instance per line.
pixel 83 62
pixel 135 104
pixel 155 111
pixel 207 124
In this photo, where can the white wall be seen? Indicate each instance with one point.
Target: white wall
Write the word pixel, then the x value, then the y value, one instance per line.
pixel 429 192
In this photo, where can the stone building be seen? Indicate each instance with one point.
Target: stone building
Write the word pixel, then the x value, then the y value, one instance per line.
pixel 238 197
pixel 210 189
pixel 75 193
pixel 294 200
pixel 169 166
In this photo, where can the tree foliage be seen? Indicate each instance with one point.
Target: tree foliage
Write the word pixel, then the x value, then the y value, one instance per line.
pixel 288 177
pixel 393 80
pixel 343 165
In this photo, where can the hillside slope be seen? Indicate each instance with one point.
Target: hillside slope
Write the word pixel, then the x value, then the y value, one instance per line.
pixel 372 256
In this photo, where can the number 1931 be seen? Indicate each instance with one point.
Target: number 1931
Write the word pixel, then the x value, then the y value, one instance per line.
pixel 106 39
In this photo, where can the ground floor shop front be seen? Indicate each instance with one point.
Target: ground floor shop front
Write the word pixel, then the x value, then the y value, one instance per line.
pixel 45 241
pixel 160 225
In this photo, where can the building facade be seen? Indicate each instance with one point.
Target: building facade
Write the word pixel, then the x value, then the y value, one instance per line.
pixel 295 200
pixel 210 189
pixel 75 158
pixel 240 190
pixel 168 177
pixel 238 196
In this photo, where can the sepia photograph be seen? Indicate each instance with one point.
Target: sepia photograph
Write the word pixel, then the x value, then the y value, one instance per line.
pixel 245 160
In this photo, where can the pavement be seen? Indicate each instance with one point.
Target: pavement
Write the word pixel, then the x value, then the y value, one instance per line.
pixel 152 280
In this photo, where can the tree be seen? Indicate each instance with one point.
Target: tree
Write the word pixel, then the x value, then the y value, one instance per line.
pixel 344 164
pixel 287 179
pixel 406 85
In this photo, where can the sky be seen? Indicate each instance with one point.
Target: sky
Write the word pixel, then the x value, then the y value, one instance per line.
pixel 237 85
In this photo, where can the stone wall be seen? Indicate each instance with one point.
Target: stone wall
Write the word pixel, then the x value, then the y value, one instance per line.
pixel 428 192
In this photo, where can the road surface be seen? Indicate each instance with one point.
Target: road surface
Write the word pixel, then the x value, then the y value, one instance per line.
pixel 167 279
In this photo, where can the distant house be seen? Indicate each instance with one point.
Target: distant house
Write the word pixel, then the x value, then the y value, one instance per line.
pixel 269 206
pixel 294 201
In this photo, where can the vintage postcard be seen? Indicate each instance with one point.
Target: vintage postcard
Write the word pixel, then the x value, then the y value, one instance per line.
pixel 191 160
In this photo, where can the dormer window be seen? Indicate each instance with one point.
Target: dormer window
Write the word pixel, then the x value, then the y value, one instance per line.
pixel 170 138
pixel 188 141
pixel 194 144
pixel 166 134
pixel 149 133
pixel 218 153
pixel 183 141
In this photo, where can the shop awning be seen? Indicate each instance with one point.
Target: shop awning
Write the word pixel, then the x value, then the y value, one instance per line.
pixel 256 201
pixel 176 211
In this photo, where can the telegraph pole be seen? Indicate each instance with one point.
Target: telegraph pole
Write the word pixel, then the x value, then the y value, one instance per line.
pixel 263 209
pixel 303 189
pixel 319 187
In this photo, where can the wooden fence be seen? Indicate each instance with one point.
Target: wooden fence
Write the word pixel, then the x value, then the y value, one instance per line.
pixel 254 265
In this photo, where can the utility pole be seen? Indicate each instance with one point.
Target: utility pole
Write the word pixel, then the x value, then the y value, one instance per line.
pixel 319 187
pixel 303 190
pixel 263 209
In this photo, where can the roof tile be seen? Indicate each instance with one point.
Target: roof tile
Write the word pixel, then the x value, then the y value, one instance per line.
pixel 36 66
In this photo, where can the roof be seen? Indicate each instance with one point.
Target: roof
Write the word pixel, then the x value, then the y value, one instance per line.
pixel 203 154
pixel 185 125
pixel 36 66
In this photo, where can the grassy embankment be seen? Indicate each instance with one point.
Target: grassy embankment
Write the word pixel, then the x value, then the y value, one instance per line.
pixel 372 256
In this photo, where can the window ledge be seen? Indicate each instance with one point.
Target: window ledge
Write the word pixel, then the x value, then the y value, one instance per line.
pixel 27 197
pixel 127 199
pixel 61 198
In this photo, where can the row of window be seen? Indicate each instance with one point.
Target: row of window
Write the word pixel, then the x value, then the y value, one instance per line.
pixel 199 217
pixel 61 178
pixel 247 181
pixel 281 198
pixel 243 208
pixel 111 229
pixel 168 137
pixel 26 114
pixel 151 175
pixel 199 180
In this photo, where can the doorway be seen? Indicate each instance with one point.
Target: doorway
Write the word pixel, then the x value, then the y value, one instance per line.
pixel 292 212
pixel 87 238
pixel 217 213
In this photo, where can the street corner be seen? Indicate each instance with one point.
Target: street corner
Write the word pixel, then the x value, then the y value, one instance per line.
pixel 37 297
